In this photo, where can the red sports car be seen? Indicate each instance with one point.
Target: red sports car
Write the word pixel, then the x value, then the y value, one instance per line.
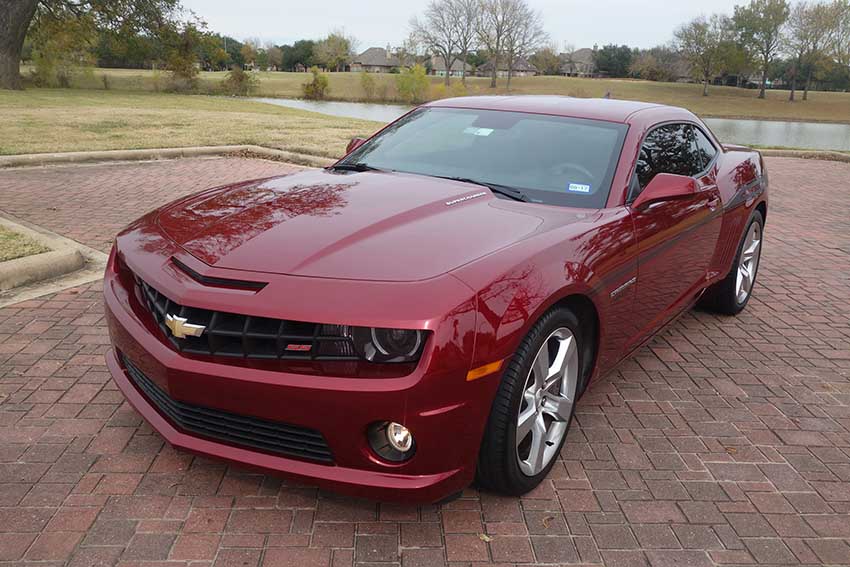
pixel 426 312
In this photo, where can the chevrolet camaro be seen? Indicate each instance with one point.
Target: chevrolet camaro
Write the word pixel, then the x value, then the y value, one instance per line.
pixel 425 313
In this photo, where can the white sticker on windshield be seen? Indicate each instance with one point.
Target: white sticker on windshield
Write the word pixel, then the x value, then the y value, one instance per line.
pixel 478 131
pixel 578 188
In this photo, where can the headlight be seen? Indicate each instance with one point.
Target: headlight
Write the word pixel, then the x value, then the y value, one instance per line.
pixel 388 345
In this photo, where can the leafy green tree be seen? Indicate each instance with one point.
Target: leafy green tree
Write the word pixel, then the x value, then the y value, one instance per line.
pixel 613 60
pixel 263 59
pixel 275 56
pixel 249 52
pixel 335 51
pixel 660 63
pixel 62 50
pixel 412 84
pixel 700 42
pixel 547 60
pixel 124 16
pixel 299 53
pixel 759 24
pixel 233 48
pixel 183 44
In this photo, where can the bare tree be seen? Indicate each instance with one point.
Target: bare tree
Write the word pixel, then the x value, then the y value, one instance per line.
pixel 438 31
pixel 821 27
pixel 701 43
pixel 840 40
pixel 525 34
pixel 495 19
pixel 465 16
pixel 796 42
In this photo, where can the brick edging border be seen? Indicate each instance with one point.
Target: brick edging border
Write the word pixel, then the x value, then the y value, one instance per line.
pixel 248 150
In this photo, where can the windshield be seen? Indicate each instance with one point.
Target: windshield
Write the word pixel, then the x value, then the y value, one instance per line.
pixel 548 159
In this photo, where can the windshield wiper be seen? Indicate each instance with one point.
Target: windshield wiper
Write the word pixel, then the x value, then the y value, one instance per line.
pixel 510 192
pixel 356 166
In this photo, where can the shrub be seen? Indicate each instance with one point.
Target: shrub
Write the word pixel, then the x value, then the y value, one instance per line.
pixel 438 91
pixel 412 84
pixel 367 81
pixel 458 89
pixel 317 87
pixel 239 83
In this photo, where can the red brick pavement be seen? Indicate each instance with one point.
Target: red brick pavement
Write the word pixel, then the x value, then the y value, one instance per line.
pixel 726 441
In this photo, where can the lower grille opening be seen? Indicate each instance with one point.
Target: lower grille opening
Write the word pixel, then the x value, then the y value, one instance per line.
pixel 245 431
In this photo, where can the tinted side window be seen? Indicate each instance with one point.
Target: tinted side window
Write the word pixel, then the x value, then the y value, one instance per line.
pixel 704 147
pixel 669 149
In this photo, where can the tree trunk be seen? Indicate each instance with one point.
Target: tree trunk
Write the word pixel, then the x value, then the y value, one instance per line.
pixel 808 85
pixel 793 87
pixel 448 78
pixel 15 17
pixel 463 68
pixel 763 79
pixel 705 86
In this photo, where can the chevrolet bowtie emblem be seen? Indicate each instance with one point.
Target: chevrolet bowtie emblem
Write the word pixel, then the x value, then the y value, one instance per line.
pixel 182 328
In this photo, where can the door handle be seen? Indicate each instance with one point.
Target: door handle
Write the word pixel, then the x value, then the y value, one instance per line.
pixel 713 203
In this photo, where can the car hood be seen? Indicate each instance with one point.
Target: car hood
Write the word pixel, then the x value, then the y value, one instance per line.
pixel 364 226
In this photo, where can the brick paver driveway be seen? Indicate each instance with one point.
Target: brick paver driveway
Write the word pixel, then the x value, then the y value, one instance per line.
pixel 727 441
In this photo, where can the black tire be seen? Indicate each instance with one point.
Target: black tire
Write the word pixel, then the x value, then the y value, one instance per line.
pixel 498 467
pixel 721 297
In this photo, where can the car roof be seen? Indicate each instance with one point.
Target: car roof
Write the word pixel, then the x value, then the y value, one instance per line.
pixel 610 110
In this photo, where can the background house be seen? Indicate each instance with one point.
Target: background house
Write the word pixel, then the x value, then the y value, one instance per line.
pixel 438 67
pixel 375 60
pixel 579 63
pixel 522 68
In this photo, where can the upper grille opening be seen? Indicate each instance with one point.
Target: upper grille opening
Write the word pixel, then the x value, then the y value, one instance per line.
pixel 246 336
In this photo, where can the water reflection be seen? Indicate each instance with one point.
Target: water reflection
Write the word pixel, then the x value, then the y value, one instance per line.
pixel 811 135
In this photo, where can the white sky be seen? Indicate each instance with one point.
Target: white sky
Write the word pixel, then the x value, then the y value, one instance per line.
pixel 580 23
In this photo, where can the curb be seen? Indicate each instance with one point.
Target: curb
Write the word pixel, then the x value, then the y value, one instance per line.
pixel 825 155
pixel 47 265
pixel 67 264
pixel 62 258
pixel 246 150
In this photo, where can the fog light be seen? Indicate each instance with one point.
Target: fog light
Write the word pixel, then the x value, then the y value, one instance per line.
pixel 399 437
pixel 391 441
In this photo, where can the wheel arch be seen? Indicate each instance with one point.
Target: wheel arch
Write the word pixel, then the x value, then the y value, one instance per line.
pixel 587 314
pixel 762 208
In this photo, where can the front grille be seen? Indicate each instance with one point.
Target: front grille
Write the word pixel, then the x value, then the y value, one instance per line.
pixel 245 336
pixel 262 434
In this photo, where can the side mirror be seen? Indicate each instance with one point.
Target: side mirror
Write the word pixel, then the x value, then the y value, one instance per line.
pixel 354 144
pixel 663 187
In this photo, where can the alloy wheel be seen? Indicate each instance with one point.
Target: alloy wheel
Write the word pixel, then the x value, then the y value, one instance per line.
pixel 748 263
pixel 547 402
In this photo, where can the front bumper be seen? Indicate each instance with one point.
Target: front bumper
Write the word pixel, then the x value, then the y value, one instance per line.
pixel 445 413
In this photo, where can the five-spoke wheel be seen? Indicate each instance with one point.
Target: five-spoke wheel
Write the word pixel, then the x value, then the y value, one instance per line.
pixel 547 402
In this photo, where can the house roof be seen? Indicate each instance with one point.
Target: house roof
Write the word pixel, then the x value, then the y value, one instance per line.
pixel 377 57
pixel 520 64
pixel 439 64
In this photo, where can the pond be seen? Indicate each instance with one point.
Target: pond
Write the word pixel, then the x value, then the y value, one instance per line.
pixel 809 135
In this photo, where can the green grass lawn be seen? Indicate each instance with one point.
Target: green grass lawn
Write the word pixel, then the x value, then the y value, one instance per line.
pixel 14 245
pixel 67 120
pixel 723 101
